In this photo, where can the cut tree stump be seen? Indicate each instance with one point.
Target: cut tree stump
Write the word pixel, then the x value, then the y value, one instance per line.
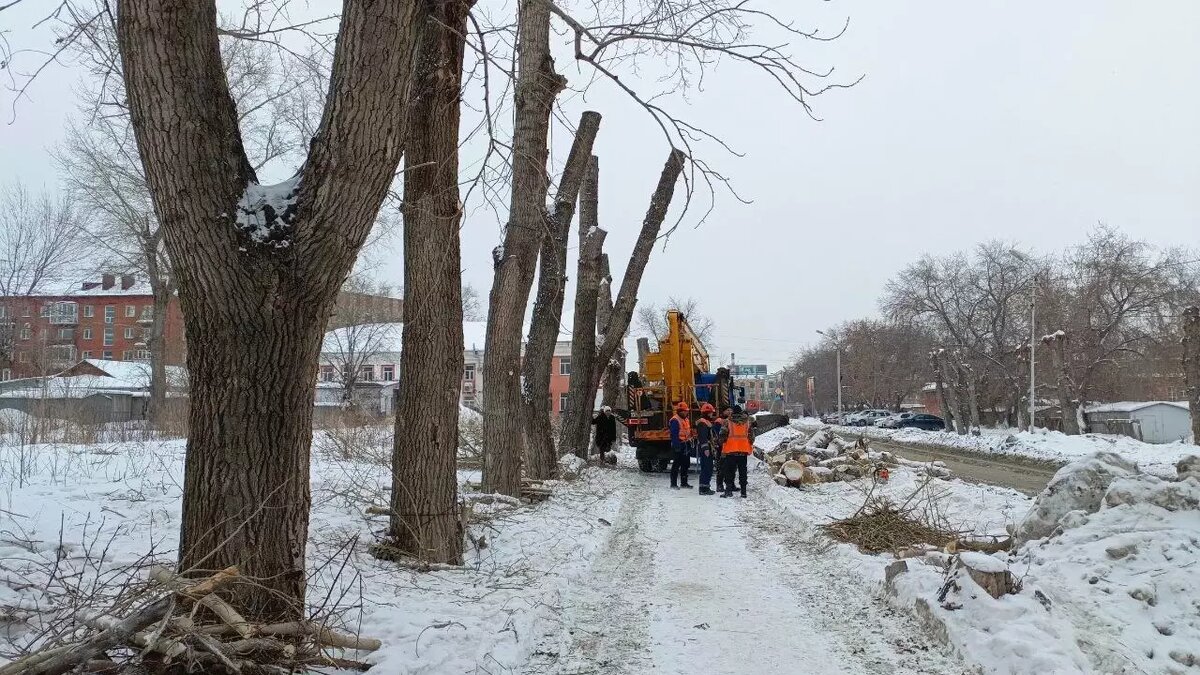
pixel 991 574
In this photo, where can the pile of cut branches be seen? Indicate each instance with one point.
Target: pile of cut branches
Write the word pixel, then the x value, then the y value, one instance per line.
pixel 883 525
pixel 183 626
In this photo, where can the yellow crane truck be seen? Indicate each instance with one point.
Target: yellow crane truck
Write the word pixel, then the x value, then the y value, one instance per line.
pixel 677 372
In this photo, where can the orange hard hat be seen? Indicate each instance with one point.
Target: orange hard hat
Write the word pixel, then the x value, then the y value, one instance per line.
pixel 682 407
pixel 707 408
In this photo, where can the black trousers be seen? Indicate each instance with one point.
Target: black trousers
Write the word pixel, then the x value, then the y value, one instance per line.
pixel 604 446
pixel 731 464
pixel 679 469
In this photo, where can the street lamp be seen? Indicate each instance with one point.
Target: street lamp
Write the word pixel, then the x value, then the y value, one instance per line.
pixel 837 346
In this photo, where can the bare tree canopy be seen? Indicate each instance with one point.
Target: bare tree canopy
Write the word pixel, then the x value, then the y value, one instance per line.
pixel 651 320
pixel 39 240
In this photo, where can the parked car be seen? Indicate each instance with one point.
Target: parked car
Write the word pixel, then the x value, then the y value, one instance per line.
pixel 832 418
pixel 867 418
pixel 922 421
pixel 891 421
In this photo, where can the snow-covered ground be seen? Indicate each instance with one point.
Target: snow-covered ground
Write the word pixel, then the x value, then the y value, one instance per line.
pixel 1051 446
pixel 616 573
pixel 72 515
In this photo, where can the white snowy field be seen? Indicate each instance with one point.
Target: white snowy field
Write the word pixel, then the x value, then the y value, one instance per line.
pixel 616 573
pixel 1052 446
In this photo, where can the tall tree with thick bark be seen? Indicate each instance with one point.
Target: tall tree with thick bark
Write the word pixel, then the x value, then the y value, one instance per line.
pixel 515 260
pixel 548 303
pixel 259 267
pixel 614 370
pixel 583 329
pixel 425 521
pixel 1191 365
pixel 1057 342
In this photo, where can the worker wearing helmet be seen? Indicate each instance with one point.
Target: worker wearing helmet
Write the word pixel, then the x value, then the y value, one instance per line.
pixel 718 441
pixel 706 432
pixel 739 439
pixel 681 439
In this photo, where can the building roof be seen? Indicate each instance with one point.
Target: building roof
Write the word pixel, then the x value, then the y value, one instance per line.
pixel 1131 406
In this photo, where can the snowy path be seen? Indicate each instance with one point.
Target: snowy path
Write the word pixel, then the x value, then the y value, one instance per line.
pixel 690 584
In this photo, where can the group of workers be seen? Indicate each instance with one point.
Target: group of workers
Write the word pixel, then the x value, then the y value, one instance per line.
pixel 723 442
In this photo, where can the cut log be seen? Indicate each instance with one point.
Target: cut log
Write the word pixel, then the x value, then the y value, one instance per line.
pixel 989 573
pixel 794 472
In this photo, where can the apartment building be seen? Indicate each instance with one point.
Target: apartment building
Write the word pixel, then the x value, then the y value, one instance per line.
pixel 107 319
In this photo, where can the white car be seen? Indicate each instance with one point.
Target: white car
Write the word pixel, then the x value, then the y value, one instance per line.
pixel 892 421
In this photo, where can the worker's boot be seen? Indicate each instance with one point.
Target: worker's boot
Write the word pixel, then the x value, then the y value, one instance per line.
pixel 705 490
pixel 743 492
pixel 726 494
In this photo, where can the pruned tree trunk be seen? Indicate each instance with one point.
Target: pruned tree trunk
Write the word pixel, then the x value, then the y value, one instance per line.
pixel 536 87
pixel 614 374
pixel 1066 400
pixel 425 521
pixel 258 269
pixel 575 427
pixel 613 333
pixel 1191 365
pixel 547 306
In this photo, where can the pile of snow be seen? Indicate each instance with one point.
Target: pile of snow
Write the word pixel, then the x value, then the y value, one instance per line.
pixel 1111 587
pixel 571 466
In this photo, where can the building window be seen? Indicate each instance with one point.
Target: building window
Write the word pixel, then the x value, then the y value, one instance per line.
pixel 130 311
pixel 128 333
pixel 66 333
pixel 387 372
pixel 564 365
pixel 108 336
pixel 6 374
pixel 3 311
pixel 141 355
pixel 327 373
pixel 24 357
pixel 87 333
pixel 125 355
pixel 87 355
pixel 25 311
pixel 26 332
pixel 88 311
pixel 366 373
pixel 469 372
pixel 562 403
pixel 46 311
pixel 107 354
pixel 110 313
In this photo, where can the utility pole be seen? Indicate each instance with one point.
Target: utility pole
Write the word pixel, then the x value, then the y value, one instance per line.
pixel 837 346
pixel 1033 354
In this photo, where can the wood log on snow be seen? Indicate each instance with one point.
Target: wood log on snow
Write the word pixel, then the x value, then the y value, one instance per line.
pixel 989 573
pixel 793 471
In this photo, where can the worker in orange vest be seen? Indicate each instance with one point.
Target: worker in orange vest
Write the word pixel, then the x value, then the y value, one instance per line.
pixel 706 446
pixel 681 440
pixel 738 444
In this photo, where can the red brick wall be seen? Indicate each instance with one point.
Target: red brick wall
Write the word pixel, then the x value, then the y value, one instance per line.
pixel 559 384
pixel 33 355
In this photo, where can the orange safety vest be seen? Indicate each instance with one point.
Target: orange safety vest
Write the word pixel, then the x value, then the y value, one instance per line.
pixel 739 439
pixel 685 428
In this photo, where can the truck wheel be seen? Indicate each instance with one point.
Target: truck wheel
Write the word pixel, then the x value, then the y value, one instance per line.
pixel 664 465
pixel 645 465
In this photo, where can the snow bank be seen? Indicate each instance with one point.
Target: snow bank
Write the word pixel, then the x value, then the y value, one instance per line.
pixel 1079 486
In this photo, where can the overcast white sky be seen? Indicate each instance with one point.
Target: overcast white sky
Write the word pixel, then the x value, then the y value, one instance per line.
pixel 1029 121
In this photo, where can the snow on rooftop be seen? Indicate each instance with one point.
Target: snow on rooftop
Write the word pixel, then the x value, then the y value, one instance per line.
pixel 136 374
pixel 1131 406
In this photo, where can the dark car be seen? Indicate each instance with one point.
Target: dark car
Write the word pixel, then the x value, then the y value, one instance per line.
pixel 922 421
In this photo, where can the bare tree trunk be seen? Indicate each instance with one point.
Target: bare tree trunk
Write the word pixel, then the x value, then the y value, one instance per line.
pixel 425 521
pixel 949 393
pixel 1066 401
pixel 613 333
pixel 258 269
pixel 574 434
pixel 536 88
pixel 972 395
pixel 1191 365
pixel 547 306
pixel 614 374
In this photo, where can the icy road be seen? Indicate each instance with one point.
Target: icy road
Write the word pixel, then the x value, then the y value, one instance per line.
pixel 704 585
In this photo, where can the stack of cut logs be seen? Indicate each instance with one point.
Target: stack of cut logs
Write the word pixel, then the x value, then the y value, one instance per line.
pixel 825 458
pixel 184 626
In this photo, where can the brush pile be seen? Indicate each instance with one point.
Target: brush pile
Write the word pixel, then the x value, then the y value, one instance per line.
pixel 825 458
pixel 183 626
pixel 882 525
